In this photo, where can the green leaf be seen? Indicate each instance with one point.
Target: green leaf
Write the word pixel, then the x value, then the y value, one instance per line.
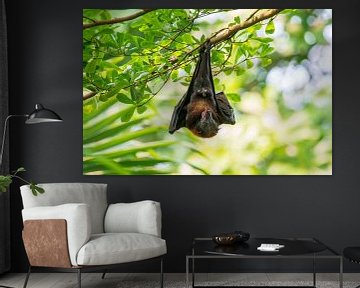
pixel 217 56
pixel 113 131
pixel 40 189
pixel 239 70
pixel 239 53
pixel 112 165
pixel 187 68
pixel 103 98
pixel 136 94
pixel 270 28
pixel 196 39
pixel 141 109
pixel 109 94
pixel 198 168
pixel 99 110
pixel 144 162
pixel 20 169
pixel 256 26
pixel 121 97
pixel 36 189
pixel 146 44
pixel 235 97
pixel 266 62
pixel 243 37
pixel 91 66
pixel 266 51
pixel 105 31
pixel 249 64
pixel 174 75
pixel 263 39
pixel 188 38
pixel 141 75
pixel 132 150
pixel 5 182
pixel 127 116
pixel 133 167
pixel 227 72
pixel 105 14
pixel 123 138
pixel 237 20
pixel 103 124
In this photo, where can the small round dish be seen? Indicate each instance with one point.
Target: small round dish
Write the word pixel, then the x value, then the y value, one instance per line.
pixel 225 239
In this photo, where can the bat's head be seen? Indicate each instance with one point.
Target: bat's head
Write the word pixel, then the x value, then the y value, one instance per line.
pixel 204 124
pixel 204 92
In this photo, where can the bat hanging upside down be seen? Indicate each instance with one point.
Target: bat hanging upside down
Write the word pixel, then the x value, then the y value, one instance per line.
pixel 200 109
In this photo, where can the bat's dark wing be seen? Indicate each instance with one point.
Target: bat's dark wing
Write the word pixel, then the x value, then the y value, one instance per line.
pixel 226 113
pixel 202 85
pixel 200 75
pixel 179 114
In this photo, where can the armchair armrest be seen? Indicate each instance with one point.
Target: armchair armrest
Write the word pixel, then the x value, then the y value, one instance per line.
pixel 77 219
pixel 138 217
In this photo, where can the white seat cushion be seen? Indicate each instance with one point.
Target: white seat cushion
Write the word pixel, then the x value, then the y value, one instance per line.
pixel 113 248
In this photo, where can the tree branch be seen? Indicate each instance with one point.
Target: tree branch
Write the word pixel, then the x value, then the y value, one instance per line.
pixel 89 95
pixel 252 14
pixel 116 20
pixel 227 33
pixel 218 37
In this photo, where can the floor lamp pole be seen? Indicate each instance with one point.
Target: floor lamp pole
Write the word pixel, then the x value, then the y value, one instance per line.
pixel 4 135
pixel 39 115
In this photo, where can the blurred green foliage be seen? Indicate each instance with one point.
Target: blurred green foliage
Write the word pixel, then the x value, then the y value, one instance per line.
pixel 276 74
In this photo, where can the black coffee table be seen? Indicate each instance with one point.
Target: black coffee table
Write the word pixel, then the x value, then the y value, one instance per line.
pixel 295 248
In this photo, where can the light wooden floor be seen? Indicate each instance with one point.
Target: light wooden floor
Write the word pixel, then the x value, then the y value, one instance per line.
pixel 113 280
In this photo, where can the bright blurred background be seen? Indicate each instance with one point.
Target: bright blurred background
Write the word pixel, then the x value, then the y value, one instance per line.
pixel 283 111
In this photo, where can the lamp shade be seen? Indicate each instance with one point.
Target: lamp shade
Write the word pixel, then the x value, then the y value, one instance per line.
pixel 42 115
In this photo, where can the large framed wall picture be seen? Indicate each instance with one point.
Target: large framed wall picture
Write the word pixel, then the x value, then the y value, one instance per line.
pixel 207 92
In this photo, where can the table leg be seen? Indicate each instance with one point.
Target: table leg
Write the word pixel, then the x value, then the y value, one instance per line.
pixel 193 272
pixel 187 272
pixel 314 271
pixel 341 273
pixel 193 267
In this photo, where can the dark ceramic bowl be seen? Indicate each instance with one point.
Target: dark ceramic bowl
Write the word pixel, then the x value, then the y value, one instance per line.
pixel 225 239
pixel 231 238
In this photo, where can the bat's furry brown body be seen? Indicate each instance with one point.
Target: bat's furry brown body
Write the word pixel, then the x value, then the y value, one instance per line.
pixel 200 109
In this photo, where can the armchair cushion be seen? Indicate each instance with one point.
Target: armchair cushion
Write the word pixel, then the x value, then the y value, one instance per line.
pixel 138 217
pixel 113 248
pixel 78 221
pixel 92 194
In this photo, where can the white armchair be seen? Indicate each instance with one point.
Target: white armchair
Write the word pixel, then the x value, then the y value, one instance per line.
pixel 72 228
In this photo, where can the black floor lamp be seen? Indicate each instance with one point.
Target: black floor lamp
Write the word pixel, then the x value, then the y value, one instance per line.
pixel 39 115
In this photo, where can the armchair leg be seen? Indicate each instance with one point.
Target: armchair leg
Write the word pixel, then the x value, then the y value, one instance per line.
pixel 161 273
pixel 103 275
pixel 79 277
pixel 27 277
